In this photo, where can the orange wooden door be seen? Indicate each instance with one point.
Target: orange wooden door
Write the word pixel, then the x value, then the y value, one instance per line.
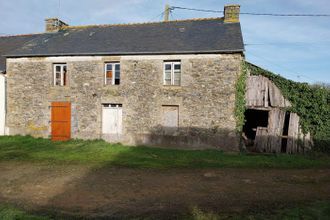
pixel 61 121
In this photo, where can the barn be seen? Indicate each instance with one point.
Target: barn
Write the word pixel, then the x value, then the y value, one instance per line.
pixel 270 126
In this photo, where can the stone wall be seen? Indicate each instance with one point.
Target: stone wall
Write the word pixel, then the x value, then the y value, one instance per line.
pixel 206 98
pixel 2 103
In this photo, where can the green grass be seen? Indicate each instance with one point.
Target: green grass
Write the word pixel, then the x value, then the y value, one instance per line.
pixel 98 152
pixel 10 213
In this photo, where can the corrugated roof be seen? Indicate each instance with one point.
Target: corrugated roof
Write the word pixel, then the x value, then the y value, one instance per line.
pixel 174 37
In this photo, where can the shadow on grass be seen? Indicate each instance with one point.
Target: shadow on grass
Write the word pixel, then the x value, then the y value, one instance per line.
pixel 100 153
pixel 111 188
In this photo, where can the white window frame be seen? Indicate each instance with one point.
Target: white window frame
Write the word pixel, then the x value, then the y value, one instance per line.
pixel 62 65
pixel 172 63
pixel 113 71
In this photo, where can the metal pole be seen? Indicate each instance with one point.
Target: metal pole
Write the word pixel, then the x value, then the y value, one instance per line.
pixel 167 12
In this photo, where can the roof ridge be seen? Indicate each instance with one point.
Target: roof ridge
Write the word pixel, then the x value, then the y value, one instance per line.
pixel 20 35
pixel 141 23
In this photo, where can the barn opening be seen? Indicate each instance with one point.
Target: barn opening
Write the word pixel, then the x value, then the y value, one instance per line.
pixel 285 133
pixel 253 118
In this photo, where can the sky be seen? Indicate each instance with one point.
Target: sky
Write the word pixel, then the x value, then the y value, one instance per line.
pixel 297 48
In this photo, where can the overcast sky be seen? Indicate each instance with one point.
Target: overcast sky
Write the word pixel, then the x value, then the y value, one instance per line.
pixel 295 47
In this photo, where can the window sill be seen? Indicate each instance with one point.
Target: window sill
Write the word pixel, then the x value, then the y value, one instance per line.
pixel 171 87
pixel 60 87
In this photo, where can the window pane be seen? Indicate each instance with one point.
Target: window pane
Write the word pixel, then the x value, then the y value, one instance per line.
pixel 109 67
pixel 168 75
pixel 168 66
pixel 117 77
pixel 64 78
pixel 109 77
pixel 117 66
pixel 57 78
pixel 117 74
pixel 177 78
pixel 177 66
pixel 58 68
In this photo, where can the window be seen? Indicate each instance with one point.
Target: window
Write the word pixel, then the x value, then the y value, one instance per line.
pixel 172 73
pixel 170 116
pixel 60 74
pixel 112 74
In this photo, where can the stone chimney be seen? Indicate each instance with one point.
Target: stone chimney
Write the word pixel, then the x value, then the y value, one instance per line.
pixel 231 13
pixel 54 24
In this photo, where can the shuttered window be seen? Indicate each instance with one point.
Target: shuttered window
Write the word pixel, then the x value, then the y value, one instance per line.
pixel 170 116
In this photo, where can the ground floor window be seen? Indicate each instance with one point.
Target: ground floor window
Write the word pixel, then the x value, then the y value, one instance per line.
pixel 170 116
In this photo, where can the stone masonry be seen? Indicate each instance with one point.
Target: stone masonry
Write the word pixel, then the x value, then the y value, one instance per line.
pixel 206 98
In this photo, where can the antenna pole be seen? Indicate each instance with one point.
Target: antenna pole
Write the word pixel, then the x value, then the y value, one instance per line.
pixel 167 12
pixel 59 9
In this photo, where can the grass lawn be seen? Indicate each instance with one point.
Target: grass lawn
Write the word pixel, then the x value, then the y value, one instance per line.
pixel 98 152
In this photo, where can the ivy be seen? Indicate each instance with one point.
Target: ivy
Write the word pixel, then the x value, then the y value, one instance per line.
pixel 310 102
pixel 240 98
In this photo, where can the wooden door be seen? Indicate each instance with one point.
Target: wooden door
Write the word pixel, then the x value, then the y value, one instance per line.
pixel 61 121
pixel 112 119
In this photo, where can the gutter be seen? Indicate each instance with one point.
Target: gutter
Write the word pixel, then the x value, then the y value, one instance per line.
pixel 125 53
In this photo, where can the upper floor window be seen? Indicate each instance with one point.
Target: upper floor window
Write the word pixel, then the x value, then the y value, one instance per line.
pixel 172 73
pixel 60 74
pixel 112 74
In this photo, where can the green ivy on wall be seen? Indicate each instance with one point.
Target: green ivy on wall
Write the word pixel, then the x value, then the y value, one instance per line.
pixel 240 98
pixel 310 102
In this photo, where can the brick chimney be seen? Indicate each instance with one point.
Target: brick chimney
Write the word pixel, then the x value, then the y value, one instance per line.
pixel 54 24
pixel 231 13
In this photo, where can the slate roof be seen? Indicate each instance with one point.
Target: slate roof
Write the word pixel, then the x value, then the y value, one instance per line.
pixel 11 43
pixel 210 35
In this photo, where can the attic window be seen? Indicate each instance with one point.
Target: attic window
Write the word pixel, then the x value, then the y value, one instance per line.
pixel 112 74
pixel 172 73
pixel 60 74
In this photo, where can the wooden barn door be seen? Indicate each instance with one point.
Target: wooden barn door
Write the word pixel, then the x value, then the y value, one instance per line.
pixel 61 121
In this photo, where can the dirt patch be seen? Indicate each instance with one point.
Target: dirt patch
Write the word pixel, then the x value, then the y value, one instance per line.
pixel 77 190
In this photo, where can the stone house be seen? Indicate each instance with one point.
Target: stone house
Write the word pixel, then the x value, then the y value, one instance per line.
pixel 8 44
pixel 164 83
